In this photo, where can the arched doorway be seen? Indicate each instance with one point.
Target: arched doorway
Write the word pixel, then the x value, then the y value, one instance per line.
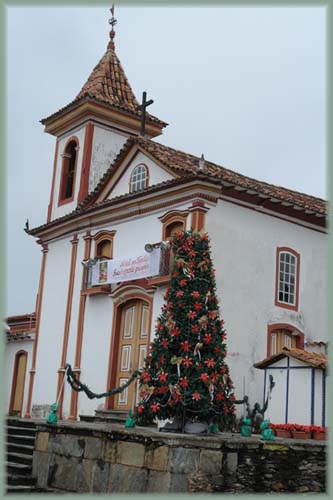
pixel 132 349
pixel 17 394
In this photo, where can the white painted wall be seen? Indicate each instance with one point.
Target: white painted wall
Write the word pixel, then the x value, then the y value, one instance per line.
pixel 52 321
pixel 106 145
pixel 11 349
pixel 156 175
pixel 244 246
pixel 299 401
pixel 95 350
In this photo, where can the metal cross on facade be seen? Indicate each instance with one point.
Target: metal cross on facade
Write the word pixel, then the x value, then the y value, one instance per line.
pixel 143 107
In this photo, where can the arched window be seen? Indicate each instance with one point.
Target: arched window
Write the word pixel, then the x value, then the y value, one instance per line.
pixel 287 278
pixel 67 183
pixel 139 178
pixel 104 244
pixel 173 221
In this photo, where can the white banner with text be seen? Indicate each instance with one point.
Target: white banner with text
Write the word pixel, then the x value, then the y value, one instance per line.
pixel 126 269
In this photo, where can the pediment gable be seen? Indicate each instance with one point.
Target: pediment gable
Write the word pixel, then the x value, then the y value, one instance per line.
pixel 119 177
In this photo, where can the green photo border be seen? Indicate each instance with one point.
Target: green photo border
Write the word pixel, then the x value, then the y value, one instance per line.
pixel 329 13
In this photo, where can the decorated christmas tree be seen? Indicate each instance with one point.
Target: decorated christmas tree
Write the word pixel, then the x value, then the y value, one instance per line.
pixel 185 374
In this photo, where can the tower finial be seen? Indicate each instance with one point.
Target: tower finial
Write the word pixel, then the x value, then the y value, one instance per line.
pixel 113 22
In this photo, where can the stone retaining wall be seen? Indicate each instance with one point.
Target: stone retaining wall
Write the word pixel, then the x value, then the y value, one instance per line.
pixel 84 457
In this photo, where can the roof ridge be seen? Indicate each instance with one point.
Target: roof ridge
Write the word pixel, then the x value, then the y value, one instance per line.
pixel 228 170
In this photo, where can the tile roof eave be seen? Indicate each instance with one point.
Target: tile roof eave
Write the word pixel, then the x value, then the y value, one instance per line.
pixel 310 358
pixel 118 107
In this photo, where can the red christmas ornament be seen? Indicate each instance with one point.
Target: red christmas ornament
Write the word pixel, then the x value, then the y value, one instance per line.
pixel 196 396
pixel 179 293
pixel 183 382
pixel 204 377
pixel 175 332
pixel 207 338
pixel 165 343
pixel 185 346
pixel 195 294
pixel 210 363
pixel 140 409
pixel 155 407
pixel 183 282
pixel 192 315
pixel 219 396
pixel 195 328
pixel 146 377
pixel 187 361
pixel 163 377
pixel 197 306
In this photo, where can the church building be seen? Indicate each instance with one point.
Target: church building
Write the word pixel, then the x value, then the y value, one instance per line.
pixel 118 194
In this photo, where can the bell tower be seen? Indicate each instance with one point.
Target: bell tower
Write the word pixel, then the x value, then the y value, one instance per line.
pixel 91 130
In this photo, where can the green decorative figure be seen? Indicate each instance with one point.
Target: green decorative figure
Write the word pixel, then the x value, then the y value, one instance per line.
pixel 213 428
pixel 130 421
pixel 267 433
pixel 52 417
pixel 245 429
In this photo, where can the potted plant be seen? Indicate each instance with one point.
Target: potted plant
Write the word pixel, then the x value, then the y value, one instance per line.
pixel 301 431
pixel 281 430
pixel 318 432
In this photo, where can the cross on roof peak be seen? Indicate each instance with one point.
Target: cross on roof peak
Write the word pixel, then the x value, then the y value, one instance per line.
pixel 112 22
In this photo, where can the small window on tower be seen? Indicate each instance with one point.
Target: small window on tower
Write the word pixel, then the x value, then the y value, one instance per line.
pixel 68 172
pixel 139 178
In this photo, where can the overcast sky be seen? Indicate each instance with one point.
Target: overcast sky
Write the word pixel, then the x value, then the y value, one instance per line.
pixel 243 85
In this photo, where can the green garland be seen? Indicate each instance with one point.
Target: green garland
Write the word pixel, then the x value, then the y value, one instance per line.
pixel 78 386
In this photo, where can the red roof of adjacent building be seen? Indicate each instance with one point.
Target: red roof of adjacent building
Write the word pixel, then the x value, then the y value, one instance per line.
pixel 310 358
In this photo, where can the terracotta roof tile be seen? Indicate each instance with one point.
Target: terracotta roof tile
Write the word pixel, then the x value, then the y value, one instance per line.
pixel 311 358
pixel 184 164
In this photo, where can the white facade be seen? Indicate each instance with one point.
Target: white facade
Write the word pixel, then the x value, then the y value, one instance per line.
pixel 244 246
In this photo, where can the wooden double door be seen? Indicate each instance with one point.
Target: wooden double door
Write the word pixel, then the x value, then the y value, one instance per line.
pixel 132 350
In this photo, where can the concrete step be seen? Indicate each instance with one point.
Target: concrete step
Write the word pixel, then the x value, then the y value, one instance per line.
pixel 19 458
pixel 21 488
pixel 17 468
pixel 20 480
pixel 19 439
pixel 21 422
pixel 20 448
pixel 21 431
